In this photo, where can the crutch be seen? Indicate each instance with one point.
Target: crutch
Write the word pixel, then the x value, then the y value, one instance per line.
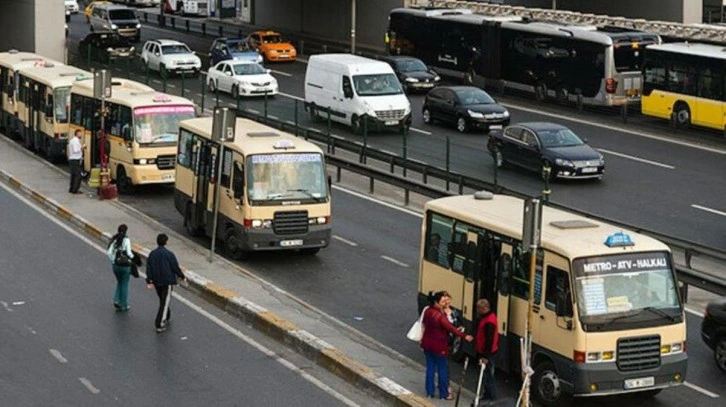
pixel 478 386
pixel 461 382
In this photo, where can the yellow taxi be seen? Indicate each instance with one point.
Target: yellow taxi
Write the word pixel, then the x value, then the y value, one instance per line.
pixel 272 46
pixel 90 6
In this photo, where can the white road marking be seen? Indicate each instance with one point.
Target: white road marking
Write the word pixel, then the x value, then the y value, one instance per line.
pixel 273 117
pixel 87 383
pixel 642 160
pixel 171 86
pixel 701 390
pixel 291 96
pixel 201 311
pixel 18 302
pixel 255 111
pixel 344 240
pixel 651 136
pixel 394 261
pixel 262 349
pixel 374 200
pixel 157 81
pixel 703 208
pixel 693 312
pixel 57 355
pixel 428 133
pixel 281 73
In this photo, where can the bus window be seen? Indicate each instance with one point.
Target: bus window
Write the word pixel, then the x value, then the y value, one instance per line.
pixel 520 270
pixel 504 272
pixel 238 179
pixel 77 110
pixel 681 79
pixel 438 239
pixel 226 169
pixel 184 156
pixel 710 85
pixel 558 289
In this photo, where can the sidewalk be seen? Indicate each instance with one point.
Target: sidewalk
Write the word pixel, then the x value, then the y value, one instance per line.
pixel 331 344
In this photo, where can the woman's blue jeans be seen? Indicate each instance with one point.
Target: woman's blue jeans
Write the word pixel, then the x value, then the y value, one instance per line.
pixel 121 296
pixel 437 364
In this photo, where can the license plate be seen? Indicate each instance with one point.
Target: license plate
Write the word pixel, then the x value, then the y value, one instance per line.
pixel 391 122
pixel 167 177
pixel 288 243
pixel 427 85
pixel 639 383
pixel 589 170
pixel 495 127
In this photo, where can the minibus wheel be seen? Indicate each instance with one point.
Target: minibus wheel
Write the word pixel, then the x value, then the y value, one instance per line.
pixel 547 386
pixel 231 246
pixel 123 182
pixel 188 225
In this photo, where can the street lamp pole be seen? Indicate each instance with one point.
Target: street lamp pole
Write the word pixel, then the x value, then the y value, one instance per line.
pixel 352 26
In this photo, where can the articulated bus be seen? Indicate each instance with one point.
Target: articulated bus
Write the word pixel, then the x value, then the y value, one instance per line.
pixel 274 194
pixel 686 80
pixel 10 62
pixel 141 127
pixel 608 318
pixel 44 94
pixel 548 59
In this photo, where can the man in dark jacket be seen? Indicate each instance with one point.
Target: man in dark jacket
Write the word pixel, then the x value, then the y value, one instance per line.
pixel 487 345
pixel 162 270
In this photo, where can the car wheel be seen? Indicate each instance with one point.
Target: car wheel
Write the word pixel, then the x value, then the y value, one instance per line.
pixel 547 386
pixel 123 182
pixel 719 354
pixel 546 164
pixel 211 86
pixel 232 246
pixel 235 92
pixel 499 159
pixel 427 117
pixel 683 114
pixel 462 126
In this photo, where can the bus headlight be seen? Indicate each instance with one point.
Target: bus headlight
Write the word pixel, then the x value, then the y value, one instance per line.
pixel 320 220
pixel 261 223
pixel 144 161
pixel 671 348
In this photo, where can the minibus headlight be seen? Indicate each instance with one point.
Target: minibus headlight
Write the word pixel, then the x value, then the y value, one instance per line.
pixel 256 223
pixel 320 220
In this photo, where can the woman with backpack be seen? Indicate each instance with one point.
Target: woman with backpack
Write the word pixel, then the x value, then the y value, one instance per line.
pixel 120 254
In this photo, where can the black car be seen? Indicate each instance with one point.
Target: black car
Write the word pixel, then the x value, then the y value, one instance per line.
pixel 537 145
pixel 466 107
pixel 413 73
pixel 713 331
pixel 105 47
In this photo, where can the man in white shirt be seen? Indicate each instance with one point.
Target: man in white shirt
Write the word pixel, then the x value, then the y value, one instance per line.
pixel 75 155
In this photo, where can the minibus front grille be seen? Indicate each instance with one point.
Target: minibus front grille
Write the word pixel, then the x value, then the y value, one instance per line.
pixel 290 222
pixel 638 353
pixel 165 162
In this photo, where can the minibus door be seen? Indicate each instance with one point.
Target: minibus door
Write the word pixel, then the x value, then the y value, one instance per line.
pixel 505 355
pixel 200 187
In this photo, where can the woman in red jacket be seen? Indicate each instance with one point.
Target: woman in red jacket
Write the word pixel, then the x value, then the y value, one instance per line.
pixel 435 344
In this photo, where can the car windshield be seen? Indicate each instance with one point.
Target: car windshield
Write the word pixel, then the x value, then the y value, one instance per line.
pixel 286 176
pixel 112 41
pixel 272 39
pixel 159 124
pixel 612 286
pixel 61 101
pixel 121 15
pixel 175 49
pixel 238 46
pixel 559 138
pixel 474 96
pixel 411 65
pixel 249 69
pixel 377 85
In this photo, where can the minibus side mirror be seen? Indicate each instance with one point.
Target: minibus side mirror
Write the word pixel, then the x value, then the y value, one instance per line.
pixel 239 187
pixel 126 134
pixel 48 111
pixel 561 307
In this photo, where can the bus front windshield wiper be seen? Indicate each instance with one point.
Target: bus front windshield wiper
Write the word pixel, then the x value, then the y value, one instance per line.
pixel 660 312
pixel 613 320
pixel 308 193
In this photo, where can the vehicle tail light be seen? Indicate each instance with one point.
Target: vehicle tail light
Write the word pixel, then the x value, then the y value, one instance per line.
pixel 611 85
pixel 578 356
pixel 56 136
pixel 684 346
pixel 248 223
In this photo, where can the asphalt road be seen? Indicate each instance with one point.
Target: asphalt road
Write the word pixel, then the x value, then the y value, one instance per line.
pixel 64 345
pixel 674 175
pixel 379 294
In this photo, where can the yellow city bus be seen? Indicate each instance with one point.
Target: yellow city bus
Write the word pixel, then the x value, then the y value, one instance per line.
pixel 141 127
pixel 274 194
pixel 685 82
pixel 607 314
pixel 42 106
pixel 10 62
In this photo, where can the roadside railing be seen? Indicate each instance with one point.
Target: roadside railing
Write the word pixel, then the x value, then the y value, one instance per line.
pixel 399 170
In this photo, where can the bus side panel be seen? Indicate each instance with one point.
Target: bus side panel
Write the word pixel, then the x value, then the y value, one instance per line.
pixel 708 113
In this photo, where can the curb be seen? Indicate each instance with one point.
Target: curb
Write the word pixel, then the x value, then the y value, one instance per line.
pixel 261 319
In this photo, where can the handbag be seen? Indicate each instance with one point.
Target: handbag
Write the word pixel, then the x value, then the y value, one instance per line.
pixel 122 259
pixel 417 329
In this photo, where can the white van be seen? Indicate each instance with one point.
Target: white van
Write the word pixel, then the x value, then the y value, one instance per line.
pixel 356 90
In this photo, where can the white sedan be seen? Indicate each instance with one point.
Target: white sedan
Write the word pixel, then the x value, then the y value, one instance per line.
pixel 241 78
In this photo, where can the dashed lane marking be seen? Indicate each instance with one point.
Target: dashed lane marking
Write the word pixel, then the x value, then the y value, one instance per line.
pixel 704 208
pixel 57 355
pixel 701 390
pixel 394 261
pixel 344 240
pixel 642 160
pixel 88 385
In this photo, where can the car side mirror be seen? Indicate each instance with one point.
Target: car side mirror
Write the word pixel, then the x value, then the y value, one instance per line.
pixel 269 71
pixel 156 53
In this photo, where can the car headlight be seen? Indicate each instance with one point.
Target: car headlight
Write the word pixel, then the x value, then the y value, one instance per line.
pixel 437 78
pixel 475 115
pixel 564 163
pixel 132 49
pixel 506 113
pixel 602 159
pixel 114 26
pixel 138 25
pixel 412 80
pixel 244 83
pixel 109 49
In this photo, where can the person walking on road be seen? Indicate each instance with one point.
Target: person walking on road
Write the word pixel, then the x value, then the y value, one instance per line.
pixel 487 345
pixel 119 247
pixel 162 270
pixel 435 344
pixel 75 155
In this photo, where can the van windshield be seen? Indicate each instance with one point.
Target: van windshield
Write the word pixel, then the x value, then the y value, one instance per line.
pixel 121 15
pixel 377 85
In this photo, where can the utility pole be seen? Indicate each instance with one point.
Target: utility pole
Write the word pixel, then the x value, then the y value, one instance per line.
pixel 531 236
pixel 352 26
pixel 223 129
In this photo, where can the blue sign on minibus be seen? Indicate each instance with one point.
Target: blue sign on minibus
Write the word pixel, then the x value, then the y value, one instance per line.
pixel 619 239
